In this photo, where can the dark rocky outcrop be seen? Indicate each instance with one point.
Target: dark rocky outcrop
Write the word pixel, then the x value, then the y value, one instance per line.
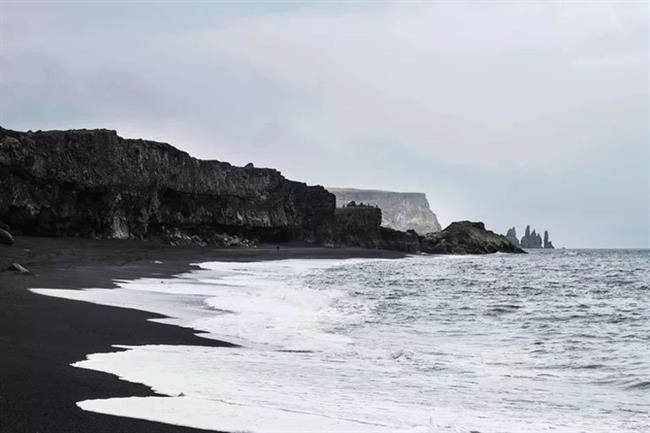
pixel 400 210
pixel 466 237
pixel 17 267
pixel 358 225
pixel 512 236
pixel 408 241
pixel 534 240
pixel 93 183
pixel 531 240
pixel 547 243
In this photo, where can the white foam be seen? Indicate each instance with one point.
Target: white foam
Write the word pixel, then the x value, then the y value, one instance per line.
pixel 181 309
pixel 270 391
pixel 224 416
pixel 319 358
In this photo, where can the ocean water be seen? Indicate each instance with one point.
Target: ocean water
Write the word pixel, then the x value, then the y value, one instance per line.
pixel 553 341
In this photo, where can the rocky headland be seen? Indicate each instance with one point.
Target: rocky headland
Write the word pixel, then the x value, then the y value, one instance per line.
pixel 466 237
pixel 400 210
pixel 96 184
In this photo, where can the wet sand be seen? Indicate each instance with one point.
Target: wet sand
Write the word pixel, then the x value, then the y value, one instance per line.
pixel 40 336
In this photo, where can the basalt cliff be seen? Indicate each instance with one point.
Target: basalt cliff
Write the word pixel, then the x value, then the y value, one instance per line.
pixel 400 210
pixel 94 183
pixel 360 225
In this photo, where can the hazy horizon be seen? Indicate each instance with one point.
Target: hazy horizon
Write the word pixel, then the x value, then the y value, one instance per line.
pixel 510 114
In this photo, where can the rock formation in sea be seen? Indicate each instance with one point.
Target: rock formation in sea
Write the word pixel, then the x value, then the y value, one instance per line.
pixel 531 239
pixel 466 237
pixel 94 183
pixel 547 243
pixel 400 210
pixel 512 236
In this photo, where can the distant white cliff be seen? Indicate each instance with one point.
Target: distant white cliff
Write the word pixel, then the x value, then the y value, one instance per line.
pixel 400 210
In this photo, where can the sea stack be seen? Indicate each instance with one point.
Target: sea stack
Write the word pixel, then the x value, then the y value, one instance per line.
pixel 512 237
pixel 531 240
pixel 547 243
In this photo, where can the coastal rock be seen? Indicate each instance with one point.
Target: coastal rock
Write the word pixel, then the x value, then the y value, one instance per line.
pixel 175 237
pixel 407 242
pixel 94 183
pixel 6 238
pixel 547 243
pixel 400 210
pixel 466 237
pixel 17 267
pixel 531 239
pixel 512 236
pixel 358 225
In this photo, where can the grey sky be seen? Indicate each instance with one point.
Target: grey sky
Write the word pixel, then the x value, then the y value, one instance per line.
pixel 509 113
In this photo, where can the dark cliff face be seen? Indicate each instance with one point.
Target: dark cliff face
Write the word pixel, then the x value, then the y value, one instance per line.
pixel 94 183
pixel 408 241
pixel 358 226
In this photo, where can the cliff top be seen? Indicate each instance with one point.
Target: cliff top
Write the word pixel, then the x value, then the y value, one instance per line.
pixel 111 136
pixel 373 191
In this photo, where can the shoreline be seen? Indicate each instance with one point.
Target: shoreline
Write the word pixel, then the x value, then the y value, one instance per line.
pixel 40 336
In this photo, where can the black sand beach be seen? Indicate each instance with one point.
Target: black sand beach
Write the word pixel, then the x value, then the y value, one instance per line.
pixel 40 336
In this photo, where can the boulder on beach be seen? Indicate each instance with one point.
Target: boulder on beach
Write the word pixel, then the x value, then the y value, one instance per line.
pixel 5 237
pixel 17 267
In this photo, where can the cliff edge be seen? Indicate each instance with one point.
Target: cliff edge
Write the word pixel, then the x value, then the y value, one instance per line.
pixel 94 183
pixel 400 210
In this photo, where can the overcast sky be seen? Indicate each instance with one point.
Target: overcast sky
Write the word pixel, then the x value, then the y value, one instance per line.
pixel 508 113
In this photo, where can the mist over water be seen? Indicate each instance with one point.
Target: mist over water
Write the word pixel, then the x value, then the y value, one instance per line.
pixel 551 341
